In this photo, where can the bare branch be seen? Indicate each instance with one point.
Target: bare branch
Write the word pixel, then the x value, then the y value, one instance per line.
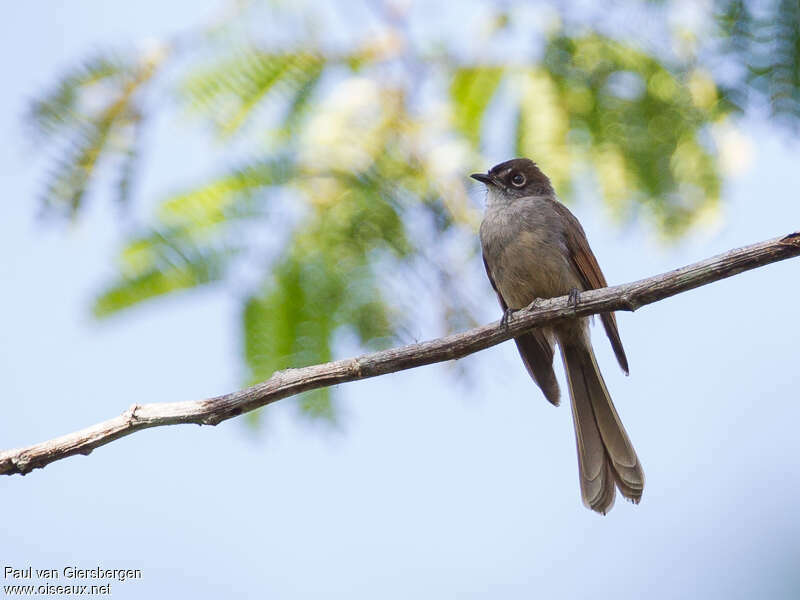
pixel 293 381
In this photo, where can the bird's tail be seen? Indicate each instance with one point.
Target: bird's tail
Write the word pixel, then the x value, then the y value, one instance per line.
pixel 605 454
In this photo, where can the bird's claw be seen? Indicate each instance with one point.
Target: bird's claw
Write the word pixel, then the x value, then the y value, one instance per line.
pixel 574 298
pixel 506 317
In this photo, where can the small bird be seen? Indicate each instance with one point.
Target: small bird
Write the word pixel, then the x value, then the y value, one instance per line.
pixel 534 247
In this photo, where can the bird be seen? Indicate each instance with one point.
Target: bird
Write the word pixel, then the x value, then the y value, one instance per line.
pixel 534 248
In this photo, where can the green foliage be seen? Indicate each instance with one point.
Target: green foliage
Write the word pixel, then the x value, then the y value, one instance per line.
pixel 197 237
pixel 61 107
pixel 226 198
pixel 233 87
pixel 130 155
pixel 636 121
pixel 161 263
pixel 325 283
pixel 472 89
pixel 763 40
pixel 356 150
pixel 90 113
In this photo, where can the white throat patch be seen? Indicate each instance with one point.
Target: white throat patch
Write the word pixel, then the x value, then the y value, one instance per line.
pixel 495 197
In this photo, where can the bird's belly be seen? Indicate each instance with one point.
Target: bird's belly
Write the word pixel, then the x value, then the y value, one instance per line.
pixel 531 268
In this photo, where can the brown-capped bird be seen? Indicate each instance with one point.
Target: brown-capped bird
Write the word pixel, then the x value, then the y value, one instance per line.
pixel 534 247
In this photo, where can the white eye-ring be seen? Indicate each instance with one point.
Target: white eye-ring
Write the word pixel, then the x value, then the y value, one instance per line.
pixel 518 180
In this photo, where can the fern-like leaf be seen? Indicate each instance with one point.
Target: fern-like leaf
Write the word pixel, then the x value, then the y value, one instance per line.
pixel 232 89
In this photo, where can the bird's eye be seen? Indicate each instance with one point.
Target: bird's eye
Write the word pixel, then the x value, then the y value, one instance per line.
pixel 518 180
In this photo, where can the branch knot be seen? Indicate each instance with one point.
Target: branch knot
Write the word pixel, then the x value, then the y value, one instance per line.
pixel 355 368
pixel 629 302
pixel 130 414
pixel 22 463
pixel 793 239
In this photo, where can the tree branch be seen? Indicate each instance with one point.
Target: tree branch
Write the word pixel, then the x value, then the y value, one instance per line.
pixel 293 381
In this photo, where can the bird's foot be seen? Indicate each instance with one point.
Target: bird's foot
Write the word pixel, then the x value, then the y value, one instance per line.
pixel 507 317
pixel 574 298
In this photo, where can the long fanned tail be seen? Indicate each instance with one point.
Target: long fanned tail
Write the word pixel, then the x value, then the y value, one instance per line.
pixel 606 457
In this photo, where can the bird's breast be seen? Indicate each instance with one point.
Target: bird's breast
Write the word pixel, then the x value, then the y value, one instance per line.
pixel 527 256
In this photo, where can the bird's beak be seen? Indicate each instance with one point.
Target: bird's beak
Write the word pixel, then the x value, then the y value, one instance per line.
pixel 483 178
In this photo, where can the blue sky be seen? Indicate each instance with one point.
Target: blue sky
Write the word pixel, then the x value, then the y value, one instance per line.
pixel 428 490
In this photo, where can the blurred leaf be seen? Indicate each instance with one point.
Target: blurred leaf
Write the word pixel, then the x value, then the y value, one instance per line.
pixel 90 113
pixel 324 283
pixel 230 90
pixel 159 264
pixel 542 127
pixel 60 108
pixel 764 39
pixel 281 329
pixel 131 157
pixel 215 202
pixel 300 104
pixel 318 405
pixel 638 123
pixel 471 90
pixel 69 180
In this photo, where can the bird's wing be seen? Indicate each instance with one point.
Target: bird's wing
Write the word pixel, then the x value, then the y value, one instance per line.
pixel 536 352
pixel 586 264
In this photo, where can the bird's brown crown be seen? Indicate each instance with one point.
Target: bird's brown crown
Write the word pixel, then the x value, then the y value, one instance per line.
pixel 519 177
